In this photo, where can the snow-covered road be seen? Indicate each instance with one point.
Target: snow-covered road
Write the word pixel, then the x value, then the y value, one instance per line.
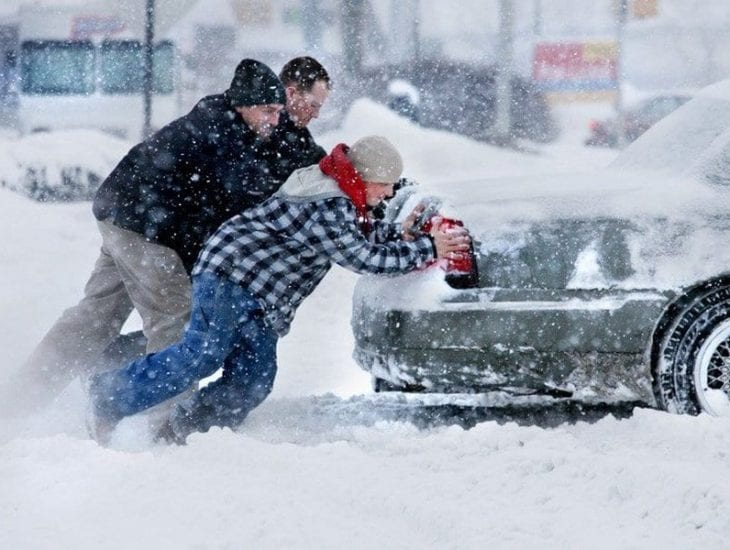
pixel 321 464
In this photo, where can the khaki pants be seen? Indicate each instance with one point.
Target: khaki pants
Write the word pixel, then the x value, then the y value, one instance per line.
pixel 130 273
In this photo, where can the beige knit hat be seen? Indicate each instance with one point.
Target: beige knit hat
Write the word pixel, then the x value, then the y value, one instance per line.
pixel 376 160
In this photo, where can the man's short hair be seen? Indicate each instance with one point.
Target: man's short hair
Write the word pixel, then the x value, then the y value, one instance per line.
pixel 303 72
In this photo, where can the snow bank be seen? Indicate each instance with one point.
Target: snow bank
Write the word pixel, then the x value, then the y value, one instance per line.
pixel 296 480
pixel 66 165
pixel 442 159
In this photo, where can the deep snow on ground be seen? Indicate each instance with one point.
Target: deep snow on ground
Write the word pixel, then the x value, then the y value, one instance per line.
pixel 322 463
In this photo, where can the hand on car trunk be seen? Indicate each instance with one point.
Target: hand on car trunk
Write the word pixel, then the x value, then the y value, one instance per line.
pixel 449 242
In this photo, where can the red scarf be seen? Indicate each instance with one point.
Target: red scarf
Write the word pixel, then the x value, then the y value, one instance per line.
pixel 337 166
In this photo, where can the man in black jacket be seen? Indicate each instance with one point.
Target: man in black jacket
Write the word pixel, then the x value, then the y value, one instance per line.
pixel 307 86
pixel 155 211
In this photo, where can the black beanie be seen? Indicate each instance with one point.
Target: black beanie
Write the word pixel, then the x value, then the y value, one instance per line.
pixel 255 84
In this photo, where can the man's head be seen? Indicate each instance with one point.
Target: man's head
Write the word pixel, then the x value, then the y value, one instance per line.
pixel 307 87
pixel 379 165
pixel 257 95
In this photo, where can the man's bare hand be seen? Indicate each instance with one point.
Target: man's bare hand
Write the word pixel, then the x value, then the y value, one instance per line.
pixel 408 233
pixel 450 242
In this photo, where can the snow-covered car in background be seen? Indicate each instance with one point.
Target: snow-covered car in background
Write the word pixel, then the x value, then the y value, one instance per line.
pixel 610 286
pixel 635 121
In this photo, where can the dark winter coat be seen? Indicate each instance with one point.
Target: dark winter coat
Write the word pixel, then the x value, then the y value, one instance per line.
pixel 178 186
pixel 295 147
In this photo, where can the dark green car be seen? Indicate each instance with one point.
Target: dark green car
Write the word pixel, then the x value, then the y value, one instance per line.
pixel 611 286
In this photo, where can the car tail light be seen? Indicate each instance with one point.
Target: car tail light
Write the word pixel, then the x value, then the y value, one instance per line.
pixel 461 271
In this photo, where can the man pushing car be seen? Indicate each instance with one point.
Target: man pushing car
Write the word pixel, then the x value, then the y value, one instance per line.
pixel 251 276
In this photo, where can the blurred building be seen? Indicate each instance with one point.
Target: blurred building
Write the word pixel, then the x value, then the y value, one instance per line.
pixel 667 43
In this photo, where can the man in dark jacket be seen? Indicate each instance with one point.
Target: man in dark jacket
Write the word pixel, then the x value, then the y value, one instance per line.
pixel 154 212
pixel 307 86
pixel 253 273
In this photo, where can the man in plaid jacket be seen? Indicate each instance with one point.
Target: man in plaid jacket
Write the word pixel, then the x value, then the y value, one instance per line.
pixel 252 275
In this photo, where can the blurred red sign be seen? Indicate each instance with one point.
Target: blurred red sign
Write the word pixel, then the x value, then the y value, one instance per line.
pixel 575 66
pixel 84 27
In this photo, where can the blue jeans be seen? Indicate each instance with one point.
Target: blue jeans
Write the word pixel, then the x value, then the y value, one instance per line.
pixel 226 330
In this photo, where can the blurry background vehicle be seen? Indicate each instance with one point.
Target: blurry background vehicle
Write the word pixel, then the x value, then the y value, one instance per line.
pixel 458 97
pixel 404 99
pixel 635 121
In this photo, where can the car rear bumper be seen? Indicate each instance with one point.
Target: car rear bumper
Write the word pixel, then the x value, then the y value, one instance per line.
pixel 592 343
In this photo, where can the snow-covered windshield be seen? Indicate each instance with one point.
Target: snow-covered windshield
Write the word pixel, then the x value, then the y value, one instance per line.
pixel 693 141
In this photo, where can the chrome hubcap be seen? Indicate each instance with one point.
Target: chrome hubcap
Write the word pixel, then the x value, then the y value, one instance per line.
pixel 712 375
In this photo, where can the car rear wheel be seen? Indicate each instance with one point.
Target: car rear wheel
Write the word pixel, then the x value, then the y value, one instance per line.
pixel 692 369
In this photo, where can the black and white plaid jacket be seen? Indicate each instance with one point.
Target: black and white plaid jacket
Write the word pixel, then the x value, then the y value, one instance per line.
pixel 281 249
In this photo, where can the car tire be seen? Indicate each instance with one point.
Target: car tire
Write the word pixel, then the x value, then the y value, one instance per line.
pixel 691 372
